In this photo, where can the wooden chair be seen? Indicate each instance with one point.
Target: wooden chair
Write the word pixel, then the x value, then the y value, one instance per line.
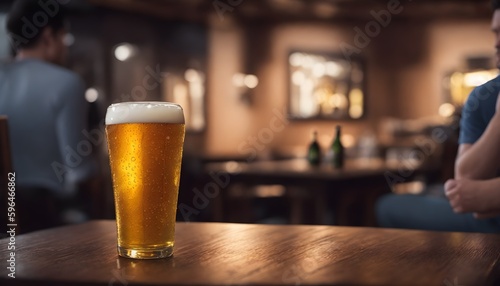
pixel 5 169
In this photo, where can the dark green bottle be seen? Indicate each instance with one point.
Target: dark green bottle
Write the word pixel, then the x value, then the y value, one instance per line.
pixel 337 150
pixel 314 152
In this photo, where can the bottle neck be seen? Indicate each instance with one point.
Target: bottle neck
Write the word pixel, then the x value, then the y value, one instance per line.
pixel 338 135
pixel 315 136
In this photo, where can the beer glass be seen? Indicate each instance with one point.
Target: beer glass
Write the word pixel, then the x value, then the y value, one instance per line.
pixel 145 141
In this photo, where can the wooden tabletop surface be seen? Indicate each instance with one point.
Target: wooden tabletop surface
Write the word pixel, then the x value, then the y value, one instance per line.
pixel 300 169
pixel 233 254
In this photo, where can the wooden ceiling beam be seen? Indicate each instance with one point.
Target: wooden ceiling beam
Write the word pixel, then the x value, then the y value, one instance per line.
pixel 292 10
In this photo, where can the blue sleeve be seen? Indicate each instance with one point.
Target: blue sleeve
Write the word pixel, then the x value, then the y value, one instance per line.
pixel 472 124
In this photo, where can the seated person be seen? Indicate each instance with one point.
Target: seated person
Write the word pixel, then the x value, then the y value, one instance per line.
pixel 472 202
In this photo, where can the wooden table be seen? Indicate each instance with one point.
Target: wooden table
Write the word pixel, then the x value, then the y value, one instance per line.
pixel 236 254
pixel 350 192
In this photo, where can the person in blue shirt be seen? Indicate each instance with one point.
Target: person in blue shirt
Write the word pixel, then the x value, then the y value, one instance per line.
pixel 47 113
pixel 476 187
pixel 472 202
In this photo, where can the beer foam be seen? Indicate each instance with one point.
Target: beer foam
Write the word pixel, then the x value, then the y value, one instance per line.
pixel 144 112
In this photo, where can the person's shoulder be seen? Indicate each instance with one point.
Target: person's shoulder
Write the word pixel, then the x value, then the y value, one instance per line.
pixel 5 64
pixel 492 84
pixel 61 73
pixel 495 82
pixel 43 69
pixel 63 81
pixel 487 90
pixel 65 85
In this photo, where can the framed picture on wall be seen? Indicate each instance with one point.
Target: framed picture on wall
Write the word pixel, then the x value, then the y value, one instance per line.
pixel 325 86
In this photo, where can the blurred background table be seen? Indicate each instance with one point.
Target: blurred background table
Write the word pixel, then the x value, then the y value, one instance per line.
pixel 237 254
pixel 313 194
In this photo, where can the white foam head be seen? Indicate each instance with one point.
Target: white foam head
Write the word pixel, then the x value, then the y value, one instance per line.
pixel 144 112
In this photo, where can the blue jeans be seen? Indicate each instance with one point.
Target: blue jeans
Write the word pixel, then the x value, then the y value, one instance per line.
pixel 429 213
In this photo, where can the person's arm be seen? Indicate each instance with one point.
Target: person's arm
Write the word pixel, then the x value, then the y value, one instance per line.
pixel 475 188
pixel 480 160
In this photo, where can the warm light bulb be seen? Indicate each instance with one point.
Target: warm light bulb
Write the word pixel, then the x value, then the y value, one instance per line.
pixel 296 59
pixel 124 51
pixel 238 79
pixel 446 110
pixel 68 39
pixel 333 69
pixel 91 94
pixel 318 70
pixel 251 81
pixel 192 75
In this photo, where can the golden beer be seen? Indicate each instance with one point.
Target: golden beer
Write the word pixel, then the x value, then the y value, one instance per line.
pixel 145 141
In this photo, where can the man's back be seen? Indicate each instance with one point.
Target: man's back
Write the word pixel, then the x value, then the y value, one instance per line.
pixel 47 114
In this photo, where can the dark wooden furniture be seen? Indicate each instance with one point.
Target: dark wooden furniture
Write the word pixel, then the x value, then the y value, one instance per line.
pixel 236 254
pixel 5 168
pixel 5 157
pixel 350 192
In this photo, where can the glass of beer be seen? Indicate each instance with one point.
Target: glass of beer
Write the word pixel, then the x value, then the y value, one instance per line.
pixel 145 142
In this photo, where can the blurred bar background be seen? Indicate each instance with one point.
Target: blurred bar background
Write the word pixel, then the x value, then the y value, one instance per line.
pixel 238 67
